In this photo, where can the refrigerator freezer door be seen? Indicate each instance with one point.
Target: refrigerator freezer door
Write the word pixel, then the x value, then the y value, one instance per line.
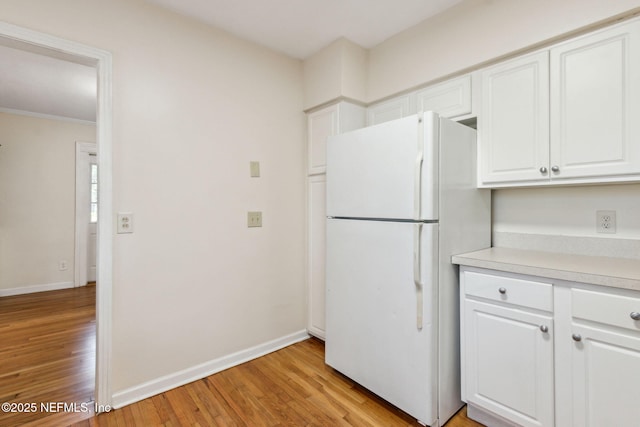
pixel 385 171
pixel 375 334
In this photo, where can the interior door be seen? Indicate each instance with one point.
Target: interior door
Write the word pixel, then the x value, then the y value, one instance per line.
pixel 374 308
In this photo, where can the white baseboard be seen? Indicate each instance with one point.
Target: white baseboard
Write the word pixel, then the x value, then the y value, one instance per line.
pixel 35 288
pixel 185 376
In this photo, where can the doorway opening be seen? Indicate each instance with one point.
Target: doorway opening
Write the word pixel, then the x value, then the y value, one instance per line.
pixel 100 60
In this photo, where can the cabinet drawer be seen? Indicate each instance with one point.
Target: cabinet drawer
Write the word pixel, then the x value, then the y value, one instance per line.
pixel 615 310
pixel 509 290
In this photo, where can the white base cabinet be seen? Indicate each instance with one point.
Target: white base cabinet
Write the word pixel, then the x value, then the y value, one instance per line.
pixel 508 347
pixel 542 352
pixel 603 356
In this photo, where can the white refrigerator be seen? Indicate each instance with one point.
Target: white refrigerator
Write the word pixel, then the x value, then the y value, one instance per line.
pixel 401 199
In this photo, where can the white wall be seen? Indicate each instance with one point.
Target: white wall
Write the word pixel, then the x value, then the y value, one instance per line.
pixel 37 200
pixel 339 70
pixel 192 106
pixel 567 211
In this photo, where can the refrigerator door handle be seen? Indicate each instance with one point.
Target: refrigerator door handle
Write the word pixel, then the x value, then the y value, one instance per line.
pixel 417 273
pixel 417 197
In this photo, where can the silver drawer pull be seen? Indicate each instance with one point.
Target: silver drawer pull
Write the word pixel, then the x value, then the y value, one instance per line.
pixel 544 328
pixel 635 315
pixel 502 291
pixel 576 337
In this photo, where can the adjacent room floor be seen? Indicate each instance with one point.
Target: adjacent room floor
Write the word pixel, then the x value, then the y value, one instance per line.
pixel 47 355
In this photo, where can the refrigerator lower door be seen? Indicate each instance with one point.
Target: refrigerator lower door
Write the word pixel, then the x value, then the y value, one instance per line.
pixel 381 311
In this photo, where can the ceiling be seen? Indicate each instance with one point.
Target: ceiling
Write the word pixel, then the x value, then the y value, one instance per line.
pixel 40 81
pixel 300 28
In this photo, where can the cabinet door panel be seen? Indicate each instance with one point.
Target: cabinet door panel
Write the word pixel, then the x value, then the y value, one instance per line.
pixel 605 378
pixel 448 99
pixel 316 254
pixel 514 122
pixel 321 124
pixel 509 363
pixel 595 103
pixel 390 110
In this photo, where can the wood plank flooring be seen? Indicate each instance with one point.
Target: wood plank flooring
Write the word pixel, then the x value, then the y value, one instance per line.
pixel 47 353
pixel 290 387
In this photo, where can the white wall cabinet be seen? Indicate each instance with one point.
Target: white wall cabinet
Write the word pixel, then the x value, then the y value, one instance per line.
pixel 539 352
pixel 513 127
pixel 338 118
pixel 595 104
pixel 392 109
pixel 565 114
pixel 450 99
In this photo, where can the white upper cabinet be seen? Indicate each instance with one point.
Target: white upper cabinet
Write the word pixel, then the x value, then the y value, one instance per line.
pixel 595 104
pixel 513 125
pixel 393 109
pixel 337 118
pixel 320 125
pixel 564 115
pixel 449 99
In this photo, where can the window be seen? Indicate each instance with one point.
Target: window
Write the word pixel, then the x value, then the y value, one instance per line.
pixel 94 194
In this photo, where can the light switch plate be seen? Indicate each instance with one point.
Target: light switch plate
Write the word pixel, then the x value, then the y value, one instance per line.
pixel 254 168
pixel 254 219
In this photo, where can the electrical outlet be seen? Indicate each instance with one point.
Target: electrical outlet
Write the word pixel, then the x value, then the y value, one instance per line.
pixel 606 222
pixel 254 219
pixel 125 222
pixel 63 265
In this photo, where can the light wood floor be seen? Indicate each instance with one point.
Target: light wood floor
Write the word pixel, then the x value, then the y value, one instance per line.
pixel 47 354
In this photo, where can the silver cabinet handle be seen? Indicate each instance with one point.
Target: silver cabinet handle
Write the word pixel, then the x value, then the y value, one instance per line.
pixel 555 169
pixel 543 170
pixel 635 315
pixel 576 337
pixel 502 291
pixel 544 328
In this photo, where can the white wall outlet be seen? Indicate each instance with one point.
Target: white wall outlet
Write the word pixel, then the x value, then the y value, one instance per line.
pixel 254 168
pixel 254 219
pixel 125 222
pixel 606 222
pixel 63 265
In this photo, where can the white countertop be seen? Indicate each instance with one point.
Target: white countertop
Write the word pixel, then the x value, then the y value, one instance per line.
pixel 596 270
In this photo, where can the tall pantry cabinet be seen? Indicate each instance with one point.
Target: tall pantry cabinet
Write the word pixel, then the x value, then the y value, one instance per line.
pixel 332 120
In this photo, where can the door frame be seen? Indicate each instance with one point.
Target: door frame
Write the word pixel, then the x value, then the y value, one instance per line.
pixel 82 219
pixel 102 61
